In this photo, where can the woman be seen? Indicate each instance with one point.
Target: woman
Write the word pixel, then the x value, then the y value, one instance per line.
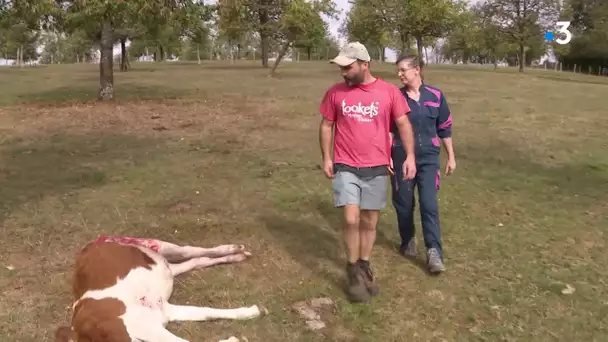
pixel 432 122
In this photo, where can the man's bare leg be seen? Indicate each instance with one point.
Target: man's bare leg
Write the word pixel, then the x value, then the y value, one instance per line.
pixel 373 198
pixel 351 232
pixel 367 232
pixel 357 291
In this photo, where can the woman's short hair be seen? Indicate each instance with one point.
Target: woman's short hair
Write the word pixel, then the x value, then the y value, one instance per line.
pixel 413 60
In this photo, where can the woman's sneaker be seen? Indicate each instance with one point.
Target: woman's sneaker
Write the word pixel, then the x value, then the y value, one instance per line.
pixel 409 250
pixel 434 262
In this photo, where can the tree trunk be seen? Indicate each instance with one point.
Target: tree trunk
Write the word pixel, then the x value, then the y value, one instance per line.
pixel 198 53
pixel 419 46
pixel 20 55
pixel 309 52
pixel 106 74
pixel 264 34
pixel 231 48
pixel 282 54
pixel 124 60
pixel 161 52
pixel 265 46
pixel 404 43
pixel 522 57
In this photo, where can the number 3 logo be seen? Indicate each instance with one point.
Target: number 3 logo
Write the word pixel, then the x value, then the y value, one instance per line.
pixel 563 29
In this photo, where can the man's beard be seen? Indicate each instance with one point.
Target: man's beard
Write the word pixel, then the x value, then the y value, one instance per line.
pixel 357 79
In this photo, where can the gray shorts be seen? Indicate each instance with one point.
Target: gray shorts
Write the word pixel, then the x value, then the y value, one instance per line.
pixel 367 193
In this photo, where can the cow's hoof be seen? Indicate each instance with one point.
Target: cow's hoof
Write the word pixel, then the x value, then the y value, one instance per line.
pixel 263 311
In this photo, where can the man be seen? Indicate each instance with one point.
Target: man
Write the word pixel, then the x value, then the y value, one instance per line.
pixel 361 110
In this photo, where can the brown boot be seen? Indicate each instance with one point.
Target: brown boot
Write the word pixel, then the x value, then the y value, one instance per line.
pixel 368 277
pixel 356 289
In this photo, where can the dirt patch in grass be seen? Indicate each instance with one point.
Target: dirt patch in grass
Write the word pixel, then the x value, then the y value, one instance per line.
pixel 233 158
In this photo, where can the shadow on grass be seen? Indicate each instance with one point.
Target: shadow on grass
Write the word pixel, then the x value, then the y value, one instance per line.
pixel 60 163
pixel 312 245
pixel 334 216
pixel 307 243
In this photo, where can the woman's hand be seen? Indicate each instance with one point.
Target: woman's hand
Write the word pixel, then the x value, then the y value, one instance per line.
pixel 450 166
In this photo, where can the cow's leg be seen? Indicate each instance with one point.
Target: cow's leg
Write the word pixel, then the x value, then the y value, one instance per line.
pixel 230 339
pixel 155 334
pixel 174 253
pixel 201 313
pixel 202 262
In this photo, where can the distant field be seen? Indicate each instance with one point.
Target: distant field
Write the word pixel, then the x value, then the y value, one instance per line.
pixel 219 153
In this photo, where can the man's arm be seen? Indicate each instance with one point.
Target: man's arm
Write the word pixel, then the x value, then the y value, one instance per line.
pixel 406 133
pixel 400 115
pixel 325 138
pixel 329 115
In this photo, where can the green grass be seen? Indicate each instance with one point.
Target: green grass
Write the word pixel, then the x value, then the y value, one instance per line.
pixel 525 213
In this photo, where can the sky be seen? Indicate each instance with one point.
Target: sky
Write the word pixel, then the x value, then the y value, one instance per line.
pixel 334 25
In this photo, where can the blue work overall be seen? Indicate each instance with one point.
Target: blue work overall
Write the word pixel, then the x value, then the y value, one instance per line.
pixel 431 121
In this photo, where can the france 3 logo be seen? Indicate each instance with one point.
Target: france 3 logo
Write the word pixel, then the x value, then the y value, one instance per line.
pixel 563 35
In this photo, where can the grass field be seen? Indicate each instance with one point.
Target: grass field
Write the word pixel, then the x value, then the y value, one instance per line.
pixel 218 153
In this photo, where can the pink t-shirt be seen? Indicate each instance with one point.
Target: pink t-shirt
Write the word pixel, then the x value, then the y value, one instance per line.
pixel 362 116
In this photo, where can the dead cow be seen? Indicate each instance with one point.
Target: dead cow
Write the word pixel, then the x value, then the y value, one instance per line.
pixel 122 287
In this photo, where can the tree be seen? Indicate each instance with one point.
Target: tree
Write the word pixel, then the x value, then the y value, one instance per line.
pixel 236 17
pixel 588 49
pixel 476 38
pixel 464 41
pixel 365 24
pixel 520 21
pixel 275 21
pixel 491 39
pixel 196 26
pixel 76 47
pixel 233 21
pixel 301 20
pixel 417 18
pixel 105 17
pixel 314 37
pixel 20 22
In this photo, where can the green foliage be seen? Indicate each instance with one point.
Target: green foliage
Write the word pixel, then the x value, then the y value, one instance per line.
pixel 301 20
pixel 365 24
pixel 235 18
pixel 61 48
pixel 279 24
pixel 590 29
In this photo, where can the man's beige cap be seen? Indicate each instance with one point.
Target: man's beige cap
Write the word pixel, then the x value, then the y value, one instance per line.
pixel 350 53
